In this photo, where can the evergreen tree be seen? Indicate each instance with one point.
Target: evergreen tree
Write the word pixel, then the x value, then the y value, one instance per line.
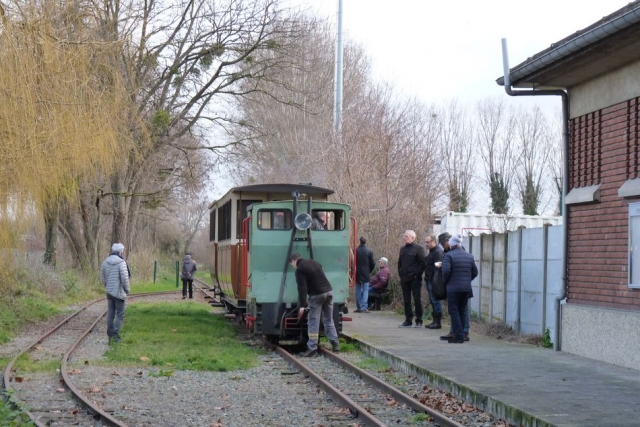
pixel 499 194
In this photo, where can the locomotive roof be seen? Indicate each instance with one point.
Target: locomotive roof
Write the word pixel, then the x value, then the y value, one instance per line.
pixel 282 188
pixel 277 189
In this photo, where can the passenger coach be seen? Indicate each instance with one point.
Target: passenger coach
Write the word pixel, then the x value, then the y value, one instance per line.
pixel 253 231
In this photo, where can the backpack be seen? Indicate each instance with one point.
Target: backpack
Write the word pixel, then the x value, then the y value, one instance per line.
pixel 438 290
pixel 186 274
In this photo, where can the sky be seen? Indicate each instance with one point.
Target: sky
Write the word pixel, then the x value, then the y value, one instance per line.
pixel 441 50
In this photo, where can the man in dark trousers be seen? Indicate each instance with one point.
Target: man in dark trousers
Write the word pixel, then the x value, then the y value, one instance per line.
pixel 189 268
pixel 435 255
pixel 410 269
pixel 312 281
pixel 365 264
pixel 458 270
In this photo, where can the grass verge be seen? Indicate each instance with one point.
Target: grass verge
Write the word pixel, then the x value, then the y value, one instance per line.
pixel 183 336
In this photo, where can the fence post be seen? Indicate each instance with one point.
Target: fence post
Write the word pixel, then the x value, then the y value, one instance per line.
pixel 155 269
pixel 545 267
pixel 519 305
pixel 177 273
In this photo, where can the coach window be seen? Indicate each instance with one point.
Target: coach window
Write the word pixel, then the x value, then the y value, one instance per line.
pixel 224 221
pixel 212 225
pixel 634 245
pixel 335 219
pixel 274 219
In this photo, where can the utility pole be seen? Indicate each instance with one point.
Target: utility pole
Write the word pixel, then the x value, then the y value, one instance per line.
pixel 337 111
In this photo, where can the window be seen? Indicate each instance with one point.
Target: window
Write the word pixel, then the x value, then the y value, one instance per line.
pixel 212 225
pixel 243 212
pixel 274 219
pixel 634 245
pixel 224 221
pixel 328 219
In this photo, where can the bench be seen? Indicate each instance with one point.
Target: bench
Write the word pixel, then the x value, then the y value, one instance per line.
pixel 375 301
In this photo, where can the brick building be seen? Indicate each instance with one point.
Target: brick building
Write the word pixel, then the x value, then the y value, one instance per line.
pixel 599 69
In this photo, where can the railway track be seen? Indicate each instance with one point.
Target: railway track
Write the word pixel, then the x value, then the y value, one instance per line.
pixel 372 401
pixel 357 398
pixel 64 404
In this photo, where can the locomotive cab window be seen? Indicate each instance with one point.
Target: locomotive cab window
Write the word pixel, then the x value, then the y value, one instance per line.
pixel 328 220
pixel 275 219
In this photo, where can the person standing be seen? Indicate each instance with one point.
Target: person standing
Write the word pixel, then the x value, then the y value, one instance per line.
pixel 364 266
pixel 431 274
pixel 443 239
pixel 115 275
pixel 410 269
pixel 312 282
pixel 189 268
pixel 379 282
pixel 458 270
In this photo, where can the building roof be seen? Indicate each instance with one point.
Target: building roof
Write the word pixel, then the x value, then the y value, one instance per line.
pixel 610 43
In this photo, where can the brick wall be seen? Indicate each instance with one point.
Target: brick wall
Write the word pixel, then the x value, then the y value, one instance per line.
pixel 604 149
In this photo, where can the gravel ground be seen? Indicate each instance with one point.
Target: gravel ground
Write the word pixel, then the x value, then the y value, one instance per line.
pixel 272 394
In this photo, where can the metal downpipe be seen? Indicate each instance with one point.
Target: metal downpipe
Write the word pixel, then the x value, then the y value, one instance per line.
pixel 565 177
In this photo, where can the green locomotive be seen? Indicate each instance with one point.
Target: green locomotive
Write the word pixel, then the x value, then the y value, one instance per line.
pixel 254 229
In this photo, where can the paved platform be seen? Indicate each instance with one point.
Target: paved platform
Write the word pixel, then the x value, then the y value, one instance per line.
pixel 527 385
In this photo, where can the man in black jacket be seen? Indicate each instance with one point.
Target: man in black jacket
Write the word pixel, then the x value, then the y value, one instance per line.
pixel 312 281
pixel 365 264
pixel 431 274
pixel 410 269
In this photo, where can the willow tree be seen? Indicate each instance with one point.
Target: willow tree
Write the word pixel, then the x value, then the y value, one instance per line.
pixel 61 111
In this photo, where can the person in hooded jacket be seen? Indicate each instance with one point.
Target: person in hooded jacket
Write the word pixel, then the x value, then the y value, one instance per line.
pixel 115 276
pixel 458 271
pixel 189 268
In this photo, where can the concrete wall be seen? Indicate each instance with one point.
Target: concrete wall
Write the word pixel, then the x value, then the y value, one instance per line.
pixel 519 278
pixel 520 275
pixel 602 333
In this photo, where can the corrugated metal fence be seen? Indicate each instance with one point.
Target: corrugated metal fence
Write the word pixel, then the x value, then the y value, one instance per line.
pixel 520 274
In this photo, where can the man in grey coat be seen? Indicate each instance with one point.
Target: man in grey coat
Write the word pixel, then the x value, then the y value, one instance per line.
pixel 114 275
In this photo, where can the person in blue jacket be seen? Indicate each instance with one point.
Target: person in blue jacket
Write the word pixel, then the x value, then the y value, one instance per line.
pixel 458 270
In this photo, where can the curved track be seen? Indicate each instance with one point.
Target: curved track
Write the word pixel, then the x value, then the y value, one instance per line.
pixel 369 399
pixel 57 345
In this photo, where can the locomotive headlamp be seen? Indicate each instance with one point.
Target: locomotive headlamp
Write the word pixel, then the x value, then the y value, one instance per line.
pixel 302 221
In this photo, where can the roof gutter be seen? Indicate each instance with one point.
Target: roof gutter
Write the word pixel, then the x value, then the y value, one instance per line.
pixel 575 44
pixel 565 177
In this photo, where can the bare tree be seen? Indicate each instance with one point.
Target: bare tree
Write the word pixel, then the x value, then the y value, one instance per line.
pixel 183 63
pixel 379 164
pixel 191 215
pixel 456 154
pixel 533 142
pixel 496 148
pixel 556 164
